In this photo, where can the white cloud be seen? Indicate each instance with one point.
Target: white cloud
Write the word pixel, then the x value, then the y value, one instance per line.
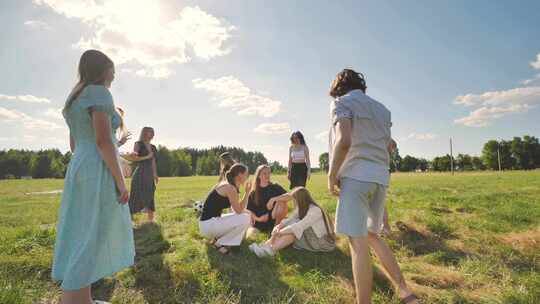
pixel 27 121
pixel 232 93
pixel 37 25
pixel 25 98
pixel 323 136
pixel 536 64
pixel 421 136
pixel 55 113
pixel 142 33
pixel 273 128
pixel 483 116
pixel 496 104
pixel 531 80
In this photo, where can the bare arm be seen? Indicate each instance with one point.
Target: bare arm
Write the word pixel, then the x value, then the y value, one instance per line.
pixel 237 205
pixel 308 162
pixel 102 126
pixel 282 198
pixel 71 143
pixel 290 164
pixel 340 150
pixel 134 155
pixel 154 168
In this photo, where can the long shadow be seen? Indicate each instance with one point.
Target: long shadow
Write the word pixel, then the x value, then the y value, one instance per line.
pixel 256 280
pixel 335 263
pixel 153 277
pixel 421 243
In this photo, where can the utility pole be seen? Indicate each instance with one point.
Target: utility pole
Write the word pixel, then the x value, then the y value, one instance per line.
pixel 451 157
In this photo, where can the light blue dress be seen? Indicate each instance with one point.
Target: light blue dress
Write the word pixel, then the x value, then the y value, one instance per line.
pixel 94 232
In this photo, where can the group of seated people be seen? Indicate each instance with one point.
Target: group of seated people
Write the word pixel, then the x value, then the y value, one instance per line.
pixel 262 209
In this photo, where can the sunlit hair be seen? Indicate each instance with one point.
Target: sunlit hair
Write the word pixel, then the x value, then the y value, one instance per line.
pixel 144 130
pixel 93 66
pixel 300 137
pixel 233 172
pixel 303 200
pixel 225 163
pixel 346 81
pixel 258 183
pixel 122 128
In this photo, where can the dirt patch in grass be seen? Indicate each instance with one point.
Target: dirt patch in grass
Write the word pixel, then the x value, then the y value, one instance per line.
pixel 526 241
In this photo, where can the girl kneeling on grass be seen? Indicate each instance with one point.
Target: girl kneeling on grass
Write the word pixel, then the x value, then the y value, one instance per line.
pixel 308 228
pixel 229 229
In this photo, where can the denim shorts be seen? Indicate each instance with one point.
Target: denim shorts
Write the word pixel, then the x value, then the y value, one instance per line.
pixel 360 207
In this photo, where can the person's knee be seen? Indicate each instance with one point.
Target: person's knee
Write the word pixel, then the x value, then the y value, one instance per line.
pixel 245 219
pixel 358 243
pixel 373 237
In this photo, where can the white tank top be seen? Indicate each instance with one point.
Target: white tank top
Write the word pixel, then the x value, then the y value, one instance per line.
pixel 298 155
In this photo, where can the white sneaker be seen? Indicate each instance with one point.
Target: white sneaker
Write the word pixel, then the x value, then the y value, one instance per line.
pixel 100 302
pixel 261 250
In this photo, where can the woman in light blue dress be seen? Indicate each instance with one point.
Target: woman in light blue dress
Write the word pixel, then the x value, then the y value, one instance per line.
pixel 94 231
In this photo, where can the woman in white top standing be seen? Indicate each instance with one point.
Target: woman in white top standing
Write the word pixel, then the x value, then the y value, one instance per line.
pixel 299 165
pixel 308 228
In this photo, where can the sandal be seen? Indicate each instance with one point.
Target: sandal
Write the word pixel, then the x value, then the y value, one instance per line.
pixel 224 250
pixel 409 299
pixel 212 241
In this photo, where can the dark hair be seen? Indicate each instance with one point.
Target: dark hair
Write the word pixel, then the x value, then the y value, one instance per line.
pixel 92 67
pixel 225 163
pixel 144 130
pixel 258 183
pixel 300 137
pixel 234 171
pixel 346 81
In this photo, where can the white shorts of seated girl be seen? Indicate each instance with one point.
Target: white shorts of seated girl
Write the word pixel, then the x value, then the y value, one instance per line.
pixel 228 230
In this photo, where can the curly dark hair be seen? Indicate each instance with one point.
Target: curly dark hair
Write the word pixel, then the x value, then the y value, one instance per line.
pixel 300 137
pixel 346 81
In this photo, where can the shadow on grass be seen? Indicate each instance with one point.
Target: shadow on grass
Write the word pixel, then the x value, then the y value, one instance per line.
pixel 256 280
pixel 153 276
pixel 422 243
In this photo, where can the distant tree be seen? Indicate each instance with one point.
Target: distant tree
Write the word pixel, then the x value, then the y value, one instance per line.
pixel 409 163
pixel 441 163
pixel 166 163
pixel 395 161
pixel 182 163
pixel 208 164
pixel 277 168
pixel 324 162
pixel 464 162
pixel 477 163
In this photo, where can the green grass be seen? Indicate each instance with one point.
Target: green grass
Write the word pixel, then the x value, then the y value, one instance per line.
pixel 459 239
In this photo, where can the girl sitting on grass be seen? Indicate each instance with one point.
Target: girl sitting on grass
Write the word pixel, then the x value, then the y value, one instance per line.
pixel 308 228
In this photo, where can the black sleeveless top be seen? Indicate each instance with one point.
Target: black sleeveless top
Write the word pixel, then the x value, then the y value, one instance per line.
pixel 214 205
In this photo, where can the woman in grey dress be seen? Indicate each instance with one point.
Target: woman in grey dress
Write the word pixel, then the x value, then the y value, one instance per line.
pixel 145 178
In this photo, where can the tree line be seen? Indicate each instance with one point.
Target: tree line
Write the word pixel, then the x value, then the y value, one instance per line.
pixel 52 163
pixel 520 153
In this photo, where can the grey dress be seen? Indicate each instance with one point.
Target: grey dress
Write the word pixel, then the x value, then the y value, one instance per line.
pixel 142 183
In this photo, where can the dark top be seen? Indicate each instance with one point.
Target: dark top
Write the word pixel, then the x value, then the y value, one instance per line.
pixel 214 205
pixel 260 209
pixel 143 186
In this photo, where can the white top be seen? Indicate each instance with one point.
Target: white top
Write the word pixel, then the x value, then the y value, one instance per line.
pixel 314 219
pixel 298 155
pixel 368 159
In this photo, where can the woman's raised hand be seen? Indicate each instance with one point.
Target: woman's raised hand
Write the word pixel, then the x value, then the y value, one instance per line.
pixel 248 187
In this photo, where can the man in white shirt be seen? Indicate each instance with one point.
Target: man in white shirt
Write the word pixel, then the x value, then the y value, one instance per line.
pixel 359 174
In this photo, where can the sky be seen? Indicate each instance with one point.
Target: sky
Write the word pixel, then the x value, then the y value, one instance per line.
pixel 248 73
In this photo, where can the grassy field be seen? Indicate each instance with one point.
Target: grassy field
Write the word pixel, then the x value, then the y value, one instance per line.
pixel 468 238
